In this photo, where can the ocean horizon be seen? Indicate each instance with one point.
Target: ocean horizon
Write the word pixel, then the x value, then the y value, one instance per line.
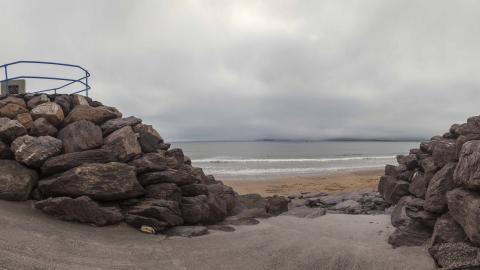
pixel 264 160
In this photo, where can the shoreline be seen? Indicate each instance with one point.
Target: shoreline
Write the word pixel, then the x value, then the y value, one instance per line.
pixel 331 182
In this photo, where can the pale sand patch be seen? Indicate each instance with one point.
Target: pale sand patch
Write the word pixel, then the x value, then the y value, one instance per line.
pixel 331 183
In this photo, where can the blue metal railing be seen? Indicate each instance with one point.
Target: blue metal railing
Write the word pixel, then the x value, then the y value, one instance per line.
pixel 82 81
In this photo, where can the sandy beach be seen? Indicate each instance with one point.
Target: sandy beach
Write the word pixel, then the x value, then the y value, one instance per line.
pixel 330 182
pixel 32 240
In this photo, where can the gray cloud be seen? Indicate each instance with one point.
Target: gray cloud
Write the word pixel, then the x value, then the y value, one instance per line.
pixel 251 69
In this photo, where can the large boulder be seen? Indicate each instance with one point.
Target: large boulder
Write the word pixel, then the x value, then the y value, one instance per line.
pixel 50 111
pixel 103 182
pixel 193 190
pixel 11 110
pixel 149 138
pixel 33 151
pixel 82 209
pixel 78 100
pixel 16 181
pixel 178 177
pixel 443 151
pixel 164 191
pixel 97 115
pixel 11 129
pixel 467 172
pixel 161 210
pixel 392 189
pixel 149 162
pixel 277 205
pixel 461 140
pixel 224 192
pixel 41 127
pixel 118 123
pixel 447 230
pixel 195 209
pixel 124 143
pixel 14 100
pixel 67 161
pixel 442 181
pixel 81 135
pixel 464 207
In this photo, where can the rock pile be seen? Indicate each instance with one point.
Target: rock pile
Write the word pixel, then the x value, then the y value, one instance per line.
pixel 81 161
pixel 314 204
pixel 436 189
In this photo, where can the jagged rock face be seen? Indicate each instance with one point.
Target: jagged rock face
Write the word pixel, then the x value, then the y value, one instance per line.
pixel 467 172
pixel 87 156
pixel 80 135
pixel 33 151
pixel 464 207
pixel 103 182
pixel 82 209
pixel 442 181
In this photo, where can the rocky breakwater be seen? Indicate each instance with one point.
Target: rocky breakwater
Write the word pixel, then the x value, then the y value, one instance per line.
pixel 81 161
pixel 436 189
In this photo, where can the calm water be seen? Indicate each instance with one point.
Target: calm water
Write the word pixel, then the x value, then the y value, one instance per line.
pixel 263 160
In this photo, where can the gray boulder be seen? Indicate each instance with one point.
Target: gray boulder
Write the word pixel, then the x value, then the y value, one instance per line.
pixel 11 110
pixel 33 151
pixel 464 207
pixel 104 182
pixel 442 181
pixel 193 190
pixel 418 186
pixel 447 230
pixel 443 152
pixel 65 102
pixel 81 135
pixel 276 205
pixel 16 181
pixel 68 161
pixel 468 168
pixel 81 209
pixel 37 100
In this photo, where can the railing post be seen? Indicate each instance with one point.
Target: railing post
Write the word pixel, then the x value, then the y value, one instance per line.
pixel 7 91
pixel 86 82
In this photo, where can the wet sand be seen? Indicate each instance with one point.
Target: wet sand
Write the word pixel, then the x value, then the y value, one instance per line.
pixel 330 183
pixel 31 240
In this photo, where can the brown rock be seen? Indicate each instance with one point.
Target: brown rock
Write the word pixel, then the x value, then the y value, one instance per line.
pixel 149 162
pixel 50 111
pixel 124 143
pixel 65 102
pixel 178 177
pixel 447 230
pixel 16 181
pixel 14 100
pixel 33 151
pixel 10 129
pixel 104 182
pixel 81 135
pixel 418 186
pixel 82 209
pixel 164 191
pixel 78 100
pixel 115 124
pixel 193 190
pixel 5 152
pixel 67 161
pixel 97 115
pixel 11 110
pixel 161 210
pixel 41 127
pixel 195 209
pixel 150 139
pixel 25 119
pixel 37 100
pixel 443 152
pixel 392 189
pixel 468 167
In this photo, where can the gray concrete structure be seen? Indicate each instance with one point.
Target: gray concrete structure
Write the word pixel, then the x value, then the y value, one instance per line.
pixel 14 87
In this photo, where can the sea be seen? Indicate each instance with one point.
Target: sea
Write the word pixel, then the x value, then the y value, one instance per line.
pixel 264 160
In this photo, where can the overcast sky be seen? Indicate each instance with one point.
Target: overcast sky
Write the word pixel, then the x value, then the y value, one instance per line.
pixel 258 69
